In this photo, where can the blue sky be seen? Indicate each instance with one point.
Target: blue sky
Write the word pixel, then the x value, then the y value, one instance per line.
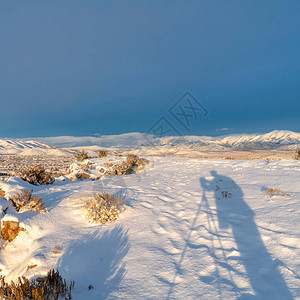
pixel 84 67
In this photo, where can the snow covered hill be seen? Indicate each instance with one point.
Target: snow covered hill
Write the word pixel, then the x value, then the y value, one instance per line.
pixel 30 147
pixel 276 140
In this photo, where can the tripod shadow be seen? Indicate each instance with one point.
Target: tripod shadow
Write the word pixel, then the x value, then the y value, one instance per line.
pixel 235 214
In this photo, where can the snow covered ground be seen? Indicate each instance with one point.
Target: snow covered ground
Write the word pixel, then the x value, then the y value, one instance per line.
pixel 193 229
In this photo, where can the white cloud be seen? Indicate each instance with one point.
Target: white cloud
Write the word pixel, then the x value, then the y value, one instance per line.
pixel 223 129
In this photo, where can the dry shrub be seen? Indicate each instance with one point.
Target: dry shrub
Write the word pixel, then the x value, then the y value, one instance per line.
pixel 37 175
pixel 102 153
pixel 24 200
pixel 277 192
pixel 119 169
pixel 132 159
pixel 129 166
pixel 297 154
pixel 272 192
pixel 10 230
pixel 136 161
pixel 56 250
pixel 51 287
pixel 81 156
pixel 2 193
pixel 104 207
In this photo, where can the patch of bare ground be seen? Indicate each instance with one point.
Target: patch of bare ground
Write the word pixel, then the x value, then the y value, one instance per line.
pixel 13 164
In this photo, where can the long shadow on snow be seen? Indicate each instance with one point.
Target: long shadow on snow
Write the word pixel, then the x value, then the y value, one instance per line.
pixel 233 212
pixel 97 261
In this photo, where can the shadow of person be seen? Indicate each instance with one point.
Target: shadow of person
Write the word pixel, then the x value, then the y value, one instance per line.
pixel 233 212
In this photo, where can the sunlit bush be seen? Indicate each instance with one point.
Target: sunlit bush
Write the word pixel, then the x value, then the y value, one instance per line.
pixel 104 207
pixel 24 201
pixel 81 156
pixel 102 153
pixel 36 175
pixel 131 165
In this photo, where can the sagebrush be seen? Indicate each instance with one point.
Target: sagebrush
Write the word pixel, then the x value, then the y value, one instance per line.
pixel 24 201
pixel 104 207
pixel 10 230
pixel 297 154
pixel 36 175
pixel 132 163
pixel 81 156
pixel 102 153
pixel 51 287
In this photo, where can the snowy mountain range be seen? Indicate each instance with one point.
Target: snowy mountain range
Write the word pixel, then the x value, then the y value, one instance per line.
pixel 275 140
pixel 29 147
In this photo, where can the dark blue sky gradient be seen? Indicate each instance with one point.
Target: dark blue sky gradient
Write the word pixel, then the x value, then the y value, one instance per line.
pixel 83 67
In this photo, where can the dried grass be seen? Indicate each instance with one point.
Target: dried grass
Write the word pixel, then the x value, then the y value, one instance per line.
pixel 104 207
pixel 51 287
pixel 24 201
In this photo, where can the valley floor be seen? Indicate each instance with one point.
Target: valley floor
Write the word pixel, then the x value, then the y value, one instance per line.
pixel 193 229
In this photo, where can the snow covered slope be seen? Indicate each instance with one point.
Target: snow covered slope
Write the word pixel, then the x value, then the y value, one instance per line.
pixel 193 229
pixel 27 147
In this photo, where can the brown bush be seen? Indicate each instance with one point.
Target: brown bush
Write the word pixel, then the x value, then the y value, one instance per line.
pixel 10 230
pixel 56 249
pixel 81 156
pixel 298 154
pixel 132 163
pixel 24 200
pixel 102 153
pixel 36 175
pixel 104 207
pixel 132 159
pixel 135 161
pixel 277 192
pixel 51 287
pixel 2 193
pixel 119 169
